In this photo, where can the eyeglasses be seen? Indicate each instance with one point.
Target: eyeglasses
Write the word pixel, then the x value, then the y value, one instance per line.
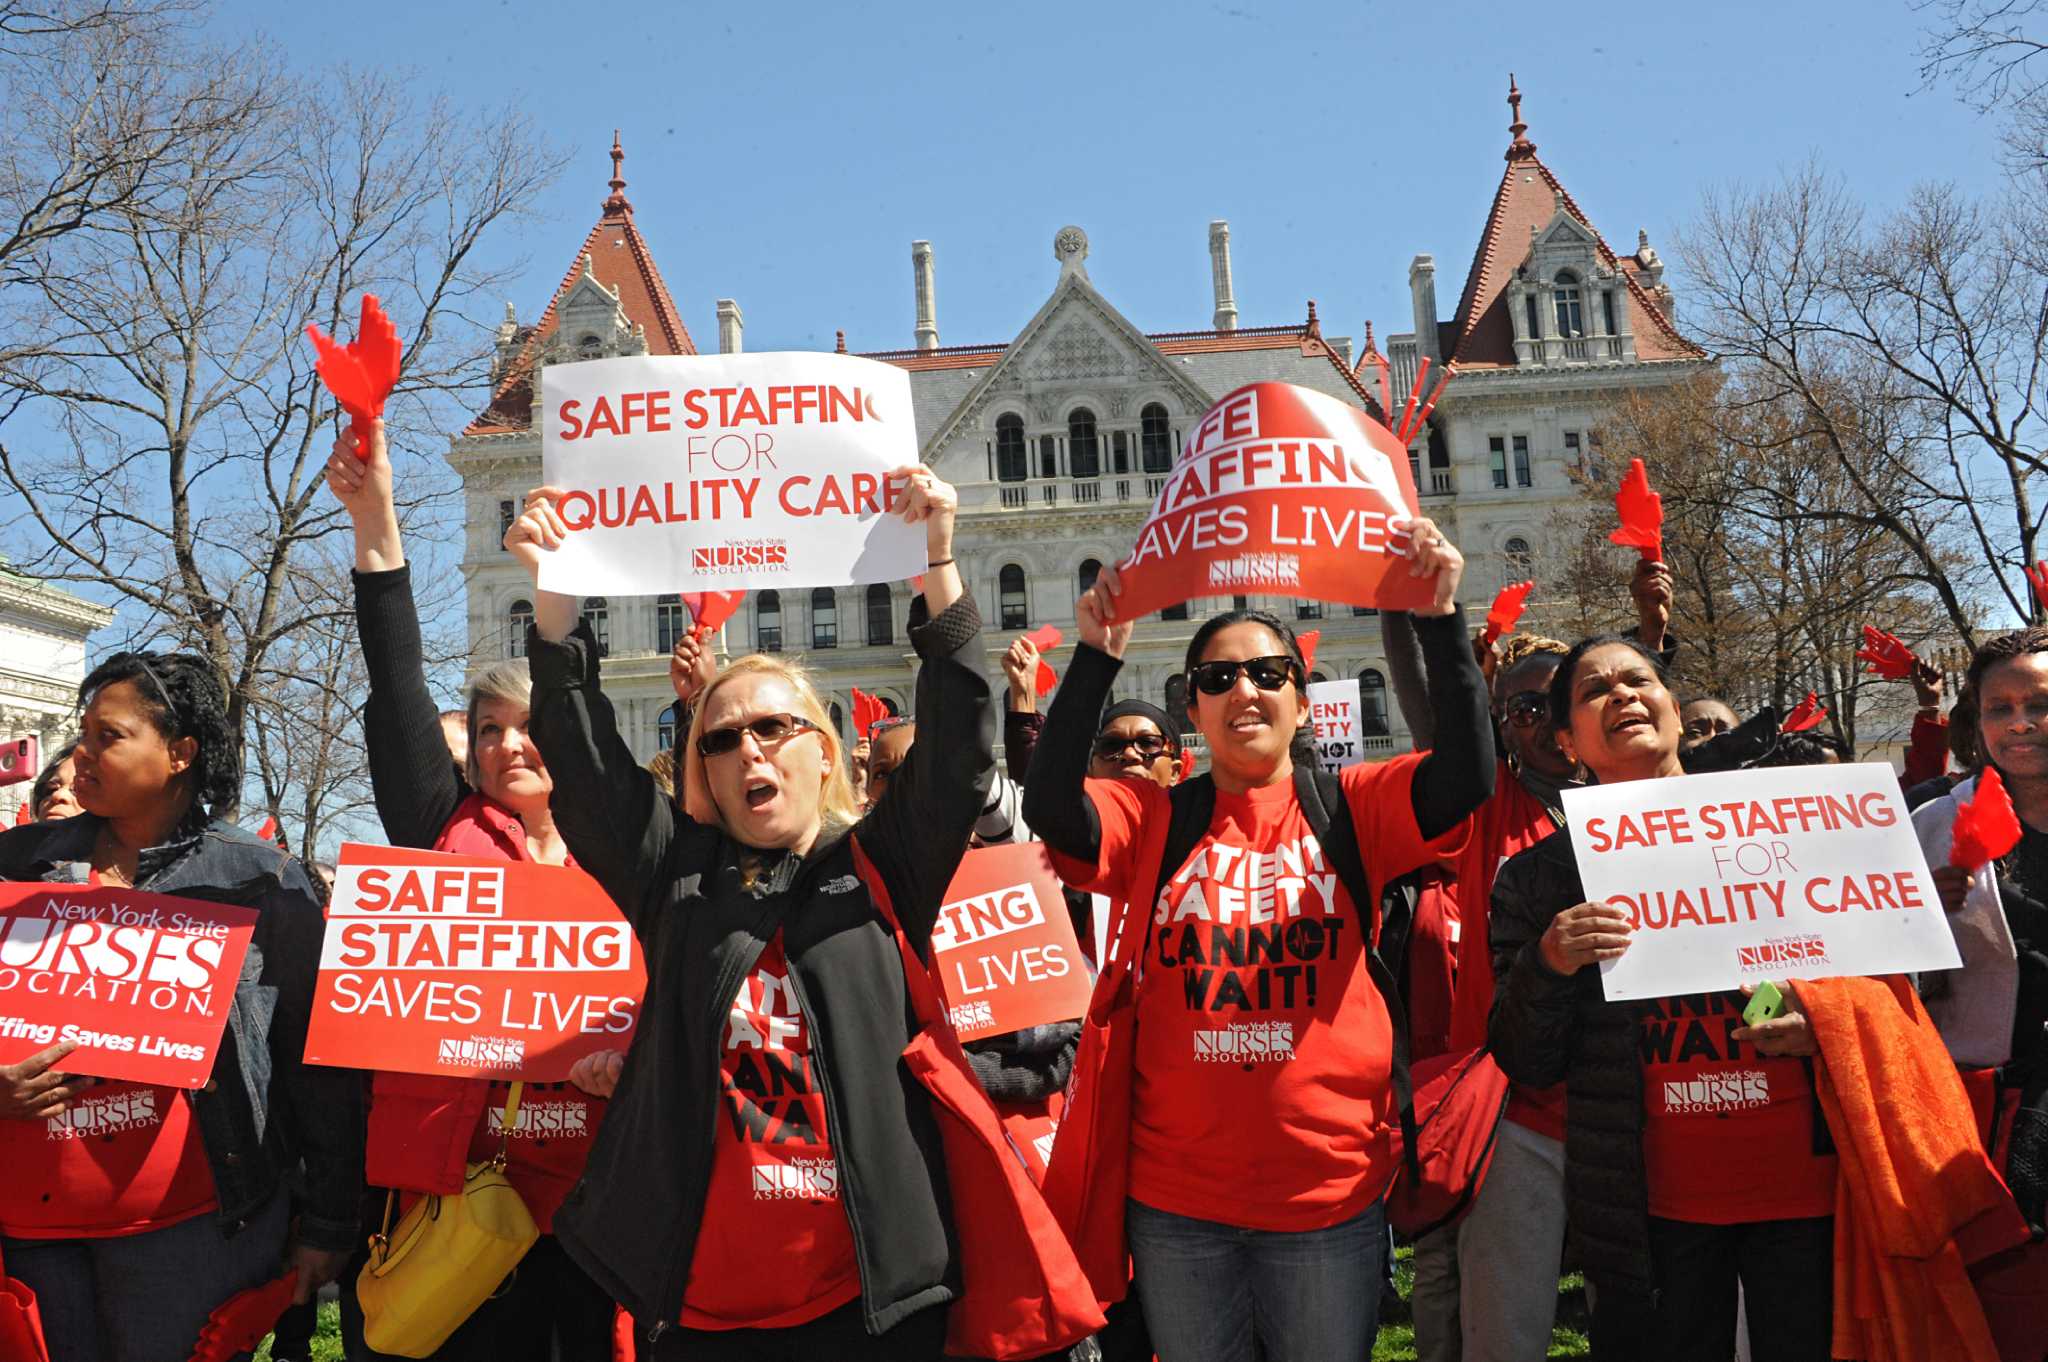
pixel 1267 673
pixel 1149 745
pixel 770 730
pixel 1526 709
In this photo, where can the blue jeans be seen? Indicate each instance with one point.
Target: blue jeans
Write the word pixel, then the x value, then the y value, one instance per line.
pixel 1311 1296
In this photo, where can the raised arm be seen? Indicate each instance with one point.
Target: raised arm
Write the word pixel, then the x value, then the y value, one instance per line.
pixel 412 774
pixel 1404 672
pixel 1056 802
pixel 1456 776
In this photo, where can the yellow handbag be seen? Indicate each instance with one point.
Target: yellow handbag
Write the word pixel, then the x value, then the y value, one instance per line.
pixel 447 1256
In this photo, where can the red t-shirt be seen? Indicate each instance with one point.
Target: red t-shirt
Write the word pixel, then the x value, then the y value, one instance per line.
pixel 1261 1093
pixel 774 1248
pixel 1727 1133
pixel 123 1158
pixel 1505 825
pixel 552 1133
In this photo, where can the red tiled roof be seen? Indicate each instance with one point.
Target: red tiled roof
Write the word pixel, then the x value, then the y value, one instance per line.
pixel 621 261
pixel 1527 198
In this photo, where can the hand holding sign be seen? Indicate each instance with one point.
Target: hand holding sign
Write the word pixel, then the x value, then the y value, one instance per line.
pixel 1584 935
pixel 361 375
pixel 1431 556
pixel 1097 614
pixel 1641 512
pixel 33 1089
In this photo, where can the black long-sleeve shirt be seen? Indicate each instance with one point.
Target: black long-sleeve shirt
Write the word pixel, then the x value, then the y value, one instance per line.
pixel 412 775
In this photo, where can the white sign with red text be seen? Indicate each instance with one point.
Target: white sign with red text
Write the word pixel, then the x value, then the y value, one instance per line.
pixel 727 471
pixel 1797 872
pixel 1340 735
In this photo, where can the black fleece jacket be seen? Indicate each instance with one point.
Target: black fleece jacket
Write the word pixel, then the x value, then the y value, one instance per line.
pixel 631 1223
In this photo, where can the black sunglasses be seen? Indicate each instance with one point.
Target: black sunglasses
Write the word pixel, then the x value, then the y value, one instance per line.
pixel 1149 745
pixel 770 730
pixel 1526 709
pixel 1267 673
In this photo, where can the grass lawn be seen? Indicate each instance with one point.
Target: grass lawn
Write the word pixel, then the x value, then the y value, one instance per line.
pixel 1396 1341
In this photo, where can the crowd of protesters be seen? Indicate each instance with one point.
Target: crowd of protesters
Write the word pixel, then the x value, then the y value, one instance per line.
pixel 1222 1141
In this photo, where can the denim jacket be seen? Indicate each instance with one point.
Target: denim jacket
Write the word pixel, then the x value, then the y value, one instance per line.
pixel 267 1119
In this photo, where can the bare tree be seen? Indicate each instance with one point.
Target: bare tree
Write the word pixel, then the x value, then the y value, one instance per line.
pixel 168 444
pixel 1904 360
pixel 1985 49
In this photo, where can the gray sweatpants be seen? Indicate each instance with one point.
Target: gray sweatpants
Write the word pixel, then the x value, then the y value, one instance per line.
pixel 1509 1249
pixel 144 1297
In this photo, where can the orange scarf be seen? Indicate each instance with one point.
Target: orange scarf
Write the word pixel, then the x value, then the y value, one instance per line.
pixel 1914 1175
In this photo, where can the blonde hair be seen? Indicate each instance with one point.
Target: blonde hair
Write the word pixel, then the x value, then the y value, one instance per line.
pixel 511 682
pixel 1518 646
pixel 662 766
pixel 837 809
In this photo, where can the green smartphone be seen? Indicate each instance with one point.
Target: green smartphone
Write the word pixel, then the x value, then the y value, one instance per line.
pixel 1764 1004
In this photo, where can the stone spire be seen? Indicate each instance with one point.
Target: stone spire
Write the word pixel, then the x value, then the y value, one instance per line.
pixel 1219 274
pixel 618 203
pixel 927 295
pixel 1521 148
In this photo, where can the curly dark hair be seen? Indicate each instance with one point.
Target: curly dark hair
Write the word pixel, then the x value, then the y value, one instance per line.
pixel 2003 648
pixel 184 698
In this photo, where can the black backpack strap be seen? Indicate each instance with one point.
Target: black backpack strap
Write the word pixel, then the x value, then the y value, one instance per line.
pixel 1194 804
pixel 1329 817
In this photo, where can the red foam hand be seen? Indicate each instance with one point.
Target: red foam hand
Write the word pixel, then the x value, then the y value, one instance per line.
pixel 1888 658
pixel 1045 638
pixel 1308 642
pixel 268 832
pixel 1807 714
pixel 1986 826
pixel 1507 609
pixel 23 814
pixel 1187 763
pixel 709 609
pixel 2038 575
pixel 361 374
pixel 917 584
pixel 241 1322
pixel 868 710
pixel 1642 514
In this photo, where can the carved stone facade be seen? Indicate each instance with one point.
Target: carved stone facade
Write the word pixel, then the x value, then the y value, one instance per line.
pixel 42 659
pixel 1059 438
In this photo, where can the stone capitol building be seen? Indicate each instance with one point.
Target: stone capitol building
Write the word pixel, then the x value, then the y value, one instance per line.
pixel 1059 437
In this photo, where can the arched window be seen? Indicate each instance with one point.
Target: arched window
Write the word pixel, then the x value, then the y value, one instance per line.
pixel 1090 570
pixel 1372 703
pixel 824 618
pixel 671 622
pixel 590 347
pixel 1177 701
pixel 890 707
pixel 1010 597
pixel 1571 313
pixel 1155 438
pixel 768 621
pixel 597 614
pixel 518 619
pixel 1084 451
pixel 1012 463
pixel 881 615
pixel 1316 677
pixel 665 728
pixel 1521 563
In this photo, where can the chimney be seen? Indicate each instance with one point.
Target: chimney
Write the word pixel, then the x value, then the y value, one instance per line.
pixel 927 295
pixel 730 327
pixel 1219 274
pixel 1422 291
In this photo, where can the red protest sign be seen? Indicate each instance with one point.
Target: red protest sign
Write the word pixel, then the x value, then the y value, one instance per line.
pixel 142 982
pixel 1004 949
pixel 1281 490
pixel 470 967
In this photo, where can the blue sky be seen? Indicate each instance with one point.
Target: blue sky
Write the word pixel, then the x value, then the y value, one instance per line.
pixel 786 154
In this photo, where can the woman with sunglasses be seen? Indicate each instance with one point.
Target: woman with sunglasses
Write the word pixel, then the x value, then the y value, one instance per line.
pixel 770 1183
pixel 134 1210
pixel 425 1129
pixel 1261 1081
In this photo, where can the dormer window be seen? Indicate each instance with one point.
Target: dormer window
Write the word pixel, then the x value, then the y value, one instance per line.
pixel 1571 317
pixel 590 347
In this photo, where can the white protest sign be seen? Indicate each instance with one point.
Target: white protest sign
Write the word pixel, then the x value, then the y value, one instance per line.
pixel 1340 736
pixel 701 471
pixel 1794 872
